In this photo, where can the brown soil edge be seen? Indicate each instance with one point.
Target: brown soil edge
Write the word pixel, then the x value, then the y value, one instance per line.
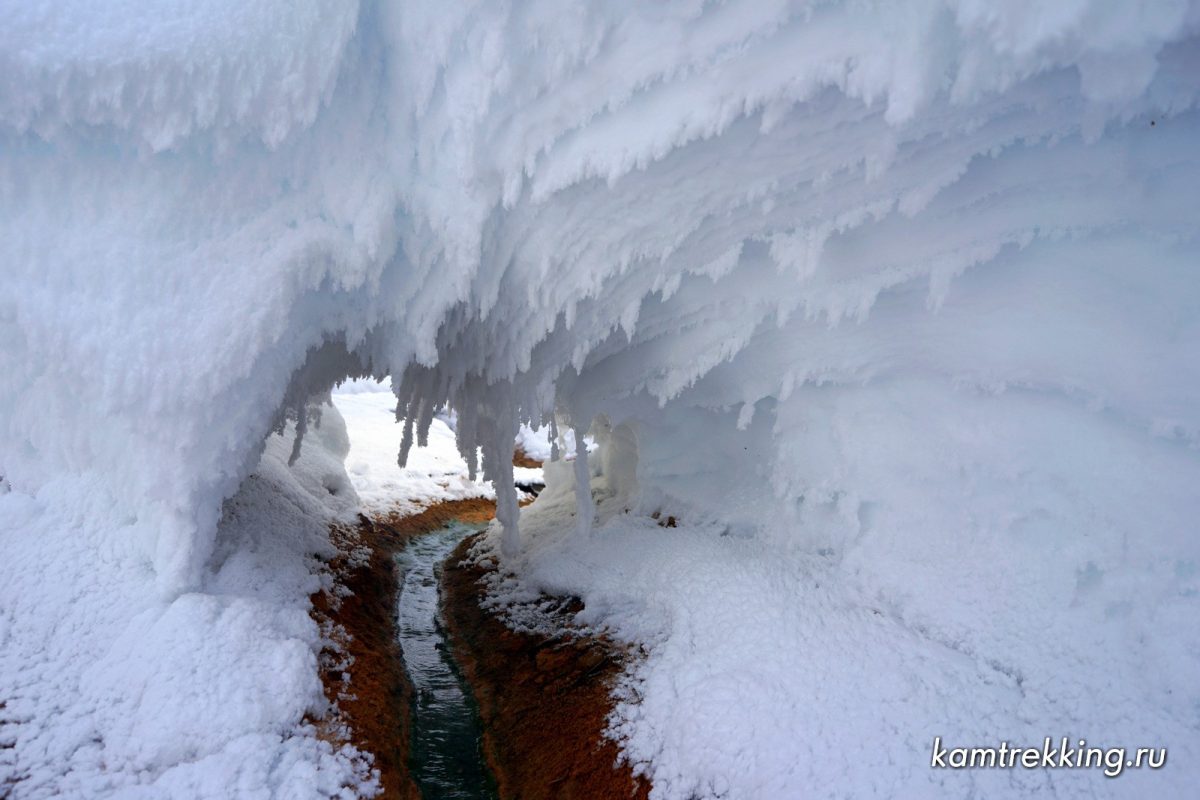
pixel 544 703
pixel 522 459
pixel 362 672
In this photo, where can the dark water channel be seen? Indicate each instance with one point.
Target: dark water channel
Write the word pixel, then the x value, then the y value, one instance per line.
pixel 446 759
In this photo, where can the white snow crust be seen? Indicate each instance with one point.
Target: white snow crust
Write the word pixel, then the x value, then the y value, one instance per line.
pixel 112 690
pixel 894 306
pixel 434 473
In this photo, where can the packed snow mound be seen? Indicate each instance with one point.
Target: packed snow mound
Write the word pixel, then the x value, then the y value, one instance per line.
pixel 109 690
pixel 435 473
pixel 962 598
pixel 909 287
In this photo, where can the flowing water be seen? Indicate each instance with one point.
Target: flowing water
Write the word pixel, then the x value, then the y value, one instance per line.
pixel 446 759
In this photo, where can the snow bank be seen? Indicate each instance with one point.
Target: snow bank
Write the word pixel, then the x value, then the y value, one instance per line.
pixel 535 444
pixel 111 690
pixel 821 658
pixel 903 296
pixel 434 473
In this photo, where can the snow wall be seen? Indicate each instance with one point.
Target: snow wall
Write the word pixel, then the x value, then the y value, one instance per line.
pixel 907 287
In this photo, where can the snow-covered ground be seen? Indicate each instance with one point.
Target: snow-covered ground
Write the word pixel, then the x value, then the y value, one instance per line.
pixel 433 473
pixel 112 689
pixel 898 302
pixel 777 672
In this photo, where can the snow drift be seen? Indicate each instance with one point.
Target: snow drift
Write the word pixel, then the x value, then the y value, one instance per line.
pixel 901 297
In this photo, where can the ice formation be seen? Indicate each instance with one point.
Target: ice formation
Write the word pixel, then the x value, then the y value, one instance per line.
pixel 893 305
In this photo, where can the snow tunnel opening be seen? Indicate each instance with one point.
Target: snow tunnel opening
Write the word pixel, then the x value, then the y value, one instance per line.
pixel 338 412
pixel 481 418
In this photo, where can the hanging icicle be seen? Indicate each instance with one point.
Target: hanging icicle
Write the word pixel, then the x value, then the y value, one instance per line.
pixel 424 421
pixel 584 510
pixel 301 427
pixel 406 442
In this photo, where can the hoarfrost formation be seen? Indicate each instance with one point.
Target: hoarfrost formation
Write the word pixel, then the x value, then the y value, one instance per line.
pixel 893 305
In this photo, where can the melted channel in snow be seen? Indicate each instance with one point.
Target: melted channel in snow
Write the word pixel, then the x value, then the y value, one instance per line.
pixel 446 758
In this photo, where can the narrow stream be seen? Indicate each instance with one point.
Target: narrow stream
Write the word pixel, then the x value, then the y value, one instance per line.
pixel 446 759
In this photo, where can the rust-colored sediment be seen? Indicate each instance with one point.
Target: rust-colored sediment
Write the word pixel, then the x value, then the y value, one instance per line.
pixel 522 459
pixel 543 703
pixel 373 693
pixel 439 515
